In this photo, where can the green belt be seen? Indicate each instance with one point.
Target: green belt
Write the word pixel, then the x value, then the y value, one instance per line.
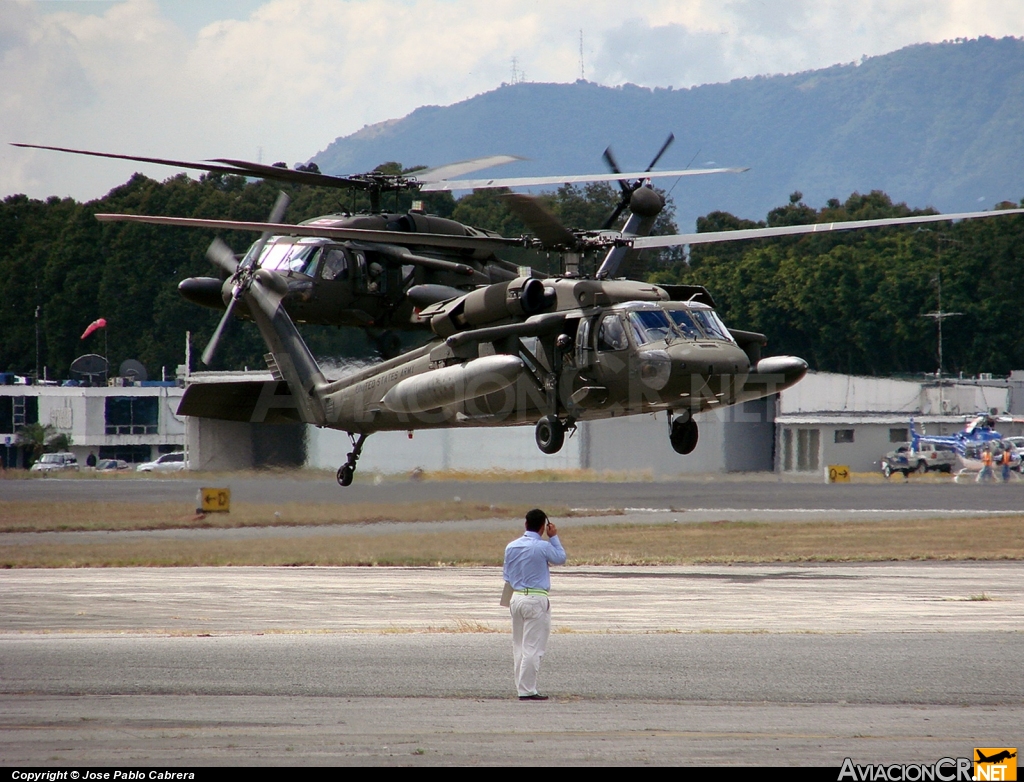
pixel 532 591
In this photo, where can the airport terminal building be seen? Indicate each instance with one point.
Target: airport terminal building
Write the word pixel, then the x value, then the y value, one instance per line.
pixel 135 422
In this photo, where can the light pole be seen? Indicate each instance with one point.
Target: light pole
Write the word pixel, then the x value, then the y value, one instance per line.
pixel 38 310
pixel 938 316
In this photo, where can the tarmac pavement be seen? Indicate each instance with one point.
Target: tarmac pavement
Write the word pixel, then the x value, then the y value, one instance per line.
pixel 751 665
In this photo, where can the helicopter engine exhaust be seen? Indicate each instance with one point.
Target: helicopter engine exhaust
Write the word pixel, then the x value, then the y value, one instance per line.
pixel 522 296
pixel 450 385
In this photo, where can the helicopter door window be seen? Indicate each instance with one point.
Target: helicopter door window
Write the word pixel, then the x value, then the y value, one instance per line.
pixel 376 278
pixel 611 335
pixel 359 269
pixel 685 324
pixel 583 343
pixel 335 264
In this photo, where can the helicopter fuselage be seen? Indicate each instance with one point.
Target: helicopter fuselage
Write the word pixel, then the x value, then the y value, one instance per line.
pixel 558 350
pixel 348 283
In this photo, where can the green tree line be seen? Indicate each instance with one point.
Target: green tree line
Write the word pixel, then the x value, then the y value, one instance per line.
pixel 847 302
pixel 854 301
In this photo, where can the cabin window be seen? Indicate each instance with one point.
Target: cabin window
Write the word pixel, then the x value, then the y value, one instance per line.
pixel 334 265
pixel 583 343
pixel 611 335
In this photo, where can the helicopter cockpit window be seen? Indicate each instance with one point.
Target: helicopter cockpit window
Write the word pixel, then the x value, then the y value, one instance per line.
pixel 650 326
pixel 334 265
pixel 291 257
pixel 274 255
pixel 685 324
pixel 301 258
pixel 712 324
pixel 611 335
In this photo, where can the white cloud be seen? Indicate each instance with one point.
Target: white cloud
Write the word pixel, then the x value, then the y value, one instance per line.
pixel 289 76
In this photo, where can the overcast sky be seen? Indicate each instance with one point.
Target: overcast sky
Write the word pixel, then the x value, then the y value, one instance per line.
pixel 280 79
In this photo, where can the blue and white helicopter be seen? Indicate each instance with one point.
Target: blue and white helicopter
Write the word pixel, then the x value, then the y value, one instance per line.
pixel 971 443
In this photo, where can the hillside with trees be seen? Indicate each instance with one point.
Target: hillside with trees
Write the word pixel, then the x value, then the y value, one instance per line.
pixel 938 125
pixel 847 302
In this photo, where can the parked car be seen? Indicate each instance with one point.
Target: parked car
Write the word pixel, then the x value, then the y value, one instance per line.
pixel 112 465
pixel 1017 444
pixel 55 462
pixel 930 456
pixel 169 462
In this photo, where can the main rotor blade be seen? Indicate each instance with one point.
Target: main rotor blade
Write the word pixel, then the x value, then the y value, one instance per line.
pixel 245 168
pixel 462 167
pixel 224 166
pixel 221 255
pixel 211 346
pixel 481 184
pixel 675 240
pixel 666 145
pixel 320 230
pixel 137 159
pixel 542 222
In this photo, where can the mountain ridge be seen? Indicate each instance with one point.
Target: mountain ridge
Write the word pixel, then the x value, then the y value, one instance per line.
pixel 936 124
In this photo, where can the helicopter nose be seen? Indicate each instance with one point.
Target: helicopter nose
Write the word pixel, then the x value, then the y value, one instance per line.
pixel 703 370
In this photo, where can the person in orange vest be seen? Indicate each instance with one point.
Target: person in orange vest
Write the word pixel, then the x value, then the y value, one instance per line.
pixel 1005 461
pixel 986 473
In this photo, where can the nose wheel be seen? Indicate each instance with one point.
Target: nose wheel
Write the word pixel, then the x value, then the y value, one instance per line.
pixel 550 434
pixel 347 471
pixel 683 434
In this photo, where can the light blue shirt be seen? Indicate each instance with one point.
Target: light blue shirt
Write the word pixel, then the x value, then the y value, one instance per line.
pixel 527 558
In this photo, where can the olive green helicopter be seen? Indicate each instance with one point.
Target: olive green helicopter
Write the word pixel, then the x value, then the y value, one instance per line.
pixel 375 270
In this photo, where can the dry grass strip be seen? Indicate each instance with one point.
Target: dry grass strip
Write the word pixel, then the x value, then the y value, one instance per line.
pixel 667 544
pixel 90 516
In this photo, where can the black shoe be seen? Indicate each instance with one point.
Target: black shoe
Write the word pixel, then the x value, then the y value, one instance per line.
pixel 535 697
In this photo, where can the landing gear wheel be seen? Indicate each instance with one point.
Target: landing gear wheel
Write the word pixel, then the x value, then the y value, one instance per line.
pixel 346 473
pixel 684 436
pixel 550 434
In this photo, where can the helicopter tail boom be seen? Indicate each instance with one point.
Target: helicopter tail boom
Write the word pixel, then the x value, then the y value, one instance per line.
pixel 293 360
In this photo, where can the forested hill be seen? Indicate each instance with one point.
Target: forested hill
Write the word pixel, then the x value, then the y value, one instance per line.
pixel 937 125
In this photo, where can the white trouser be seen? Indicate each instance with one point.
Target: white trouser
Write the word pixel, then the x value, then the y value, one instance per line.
pixel 531 626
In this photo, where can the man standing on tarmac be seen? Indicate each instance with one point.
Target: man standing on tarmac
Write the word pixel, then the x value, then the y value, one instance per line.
pixel 526 570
